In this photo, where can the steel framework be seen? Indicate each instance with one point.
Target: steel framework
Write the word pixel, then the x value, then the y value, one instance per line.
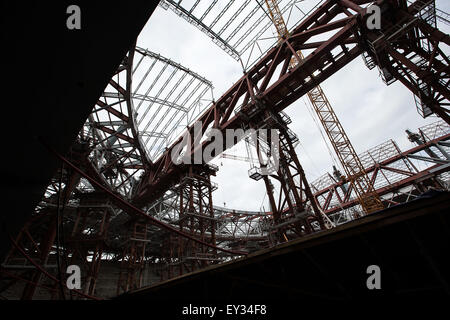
pixel 114 200
pixel 95 231
pixel 240 28
pixel 397 176
pixel 260 83
pixel 338 137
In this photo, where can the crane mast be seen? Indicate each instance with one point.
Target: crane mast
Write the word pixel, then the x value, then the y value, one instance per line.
pixel 355 172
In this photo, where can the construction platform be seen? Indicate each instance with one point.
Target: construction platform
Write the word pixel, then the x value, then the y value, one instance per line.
pixel 408 242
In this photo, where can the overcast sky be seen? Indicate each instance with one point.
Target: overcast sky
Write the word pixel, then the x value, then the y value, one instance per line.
pixel 370 111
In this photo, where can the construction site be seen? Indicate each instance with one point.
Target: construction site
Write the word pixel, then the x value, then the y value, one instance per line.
pixel 105 175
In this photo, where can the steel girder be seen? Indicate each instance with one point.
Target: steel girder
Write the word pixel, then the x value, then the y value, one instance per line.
pixel 122 145
pixel 409 49
pixel 195 215
pixel 112 136
pixel 235 27
pixel 133 258
pixel 397 176
pixel 280 89
pixel 270 81
pixel 277 90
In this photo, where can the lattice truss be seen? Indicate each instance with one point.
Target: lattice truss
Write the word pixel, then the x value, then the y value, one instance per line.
pixel 167 97
pixel 240 224
pixel 145 105
pixel 111 135
pixel 111 129
pixel 142 110
pixel 420 64
pixel 243 29
pixel 431 13
pixel 230 225
pixel 395 174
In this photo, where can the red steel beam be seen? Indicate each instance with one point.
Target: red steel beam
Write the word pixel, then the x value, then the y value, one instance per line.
pixel 131 209
pixel 391 187
pixel 400 156
pixel 284 90
pixel 41 269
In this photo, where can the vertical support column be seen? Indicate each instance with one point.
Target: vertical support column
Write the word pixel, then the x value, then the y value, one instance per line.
pixel 407 49
pixel 196 217
pixel 291 218
pixel 133 259
pixel 45 247
pixel 82 241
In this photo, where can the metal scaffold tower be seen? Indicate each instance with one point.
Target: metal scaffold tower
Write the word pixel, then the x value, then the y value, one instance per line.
pixel 133 258
pixel 196 217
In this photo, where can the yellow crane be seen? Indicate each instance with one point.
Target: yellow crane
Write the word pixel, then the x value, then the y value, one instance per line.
pixel 356 174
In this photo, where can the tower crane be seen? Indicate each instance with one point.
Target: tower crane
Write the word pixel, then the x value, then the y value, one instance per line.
pixel 354 170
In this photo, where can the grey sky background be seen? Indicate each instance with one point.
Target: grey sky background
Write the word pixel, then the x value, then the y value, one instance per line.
pixel 370 111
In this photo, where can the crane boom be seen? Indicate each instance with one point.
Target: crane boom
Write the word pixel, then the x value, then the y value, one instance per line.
pixel 356 174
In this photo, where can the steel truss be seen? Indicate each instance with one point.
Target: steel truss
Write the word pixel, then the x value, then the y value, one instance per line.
pixel 117 129
pixel 270 81
pixel 166 97
pixel 408 49
pixel 110 158
pixel 69 226
pixel 291 215
pixel 333 128
pixel 397 176
pixel 133 258
pixel 195 215
pixel 240 28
